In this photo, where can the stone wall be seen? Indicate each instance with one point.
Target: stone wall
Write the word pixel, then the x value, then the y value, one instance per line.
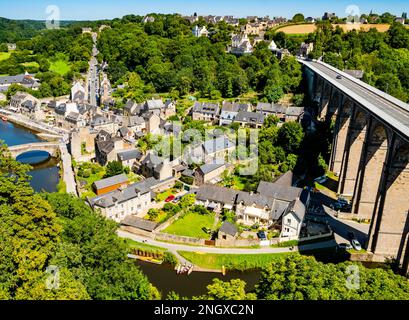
pixel 179 239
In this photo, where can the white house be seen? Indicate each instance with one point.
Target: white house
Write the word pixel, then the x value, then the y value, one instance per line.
pixel 293 219
pixel 200 31
pixel 116 205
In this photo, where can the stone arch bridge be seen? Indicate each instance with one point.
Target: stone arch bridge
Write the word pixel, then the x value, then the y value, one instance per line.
pixel 51 147
pixel 370 154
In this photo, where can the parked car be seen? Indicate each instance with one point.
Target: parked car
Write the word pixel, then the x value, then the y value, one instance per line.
pixel 262 235
pixel 344 246
pixel 177 199
pixel 321 179
pixel 170 198
pixel 339 76
pixel 355 243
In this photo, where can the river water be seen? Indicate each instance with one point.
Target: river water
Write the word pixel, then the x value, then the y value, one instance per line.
pixel 165 279
pixel 45 174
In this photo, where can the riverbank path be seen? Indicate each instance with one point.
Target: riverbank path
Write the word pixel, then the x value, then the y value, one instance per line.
pixel 68 174
pixel 173 247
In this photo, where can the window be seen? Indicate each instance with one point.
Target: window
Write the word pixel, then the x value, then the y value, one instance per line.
pixel 289 221
pixel 224 237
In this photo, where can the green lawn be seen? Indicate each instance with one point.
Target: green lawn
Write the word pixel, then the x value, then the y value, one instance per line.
pixel 191 224
pixel 60 66
pixel 4 55
pixel 143 246
pixel 162 196
pixel 231 261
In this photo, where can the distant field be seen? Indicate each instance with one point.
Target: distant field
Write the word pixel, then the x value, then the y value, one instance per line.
pixel 30 64
pixel 60 66
pixel 308 28
pixel 4 55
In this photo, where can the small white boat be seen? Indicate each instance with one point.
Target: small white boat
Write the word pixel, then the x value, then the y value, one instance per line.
pixel 190 270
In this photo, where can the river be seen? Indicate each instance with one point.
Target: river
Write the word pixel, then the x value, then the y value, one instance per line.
pixel 165 279
pixel 45 175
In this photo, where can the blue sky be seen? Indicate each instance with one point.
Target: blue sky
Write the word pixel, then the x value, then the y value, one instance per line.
pixel 92 9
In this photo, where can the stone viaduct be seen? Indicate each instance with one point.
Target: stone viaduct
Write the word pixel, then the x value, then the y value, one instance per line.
pixel 370 154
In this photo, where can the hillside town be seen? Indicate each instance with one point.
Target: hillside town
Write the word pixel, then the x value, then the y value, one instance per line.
pixel 144 148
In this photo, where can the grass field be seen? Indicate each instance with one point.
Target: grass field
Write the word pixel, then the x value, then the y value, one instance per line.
pixel 308 28
pixel 60 66
pixel 4 55
pixel 143 246
pixel 191 224
pixel 231 261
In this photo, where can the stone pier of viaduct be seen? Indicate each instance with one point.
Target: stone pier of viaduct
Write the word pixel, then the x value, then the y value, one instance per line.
pixel 370 154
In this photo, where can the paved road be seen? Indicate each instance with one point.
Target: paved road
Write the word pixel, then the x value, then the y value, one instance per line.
pixel 181 247
pixel 68 174
pixel 396 114
pixel 341 227
pixel 92 78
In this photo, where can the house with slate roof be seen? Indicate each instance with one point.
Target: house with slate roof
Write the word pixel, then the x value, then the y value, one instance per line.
pixel 154 166
pixel 230 110
pixel 205 111
pixel 26 80
pixel 209 173
pixel 124 201
pixel 250 119
pixel 293 219
pixel 130 158
pixel 227 233
pixel 264 207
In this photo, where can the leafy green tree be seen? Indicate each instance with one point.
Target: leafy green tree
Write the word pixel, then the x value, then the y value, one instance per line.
pixel 229 290
pixel 290 136
pixel 113 168
pixel 299 17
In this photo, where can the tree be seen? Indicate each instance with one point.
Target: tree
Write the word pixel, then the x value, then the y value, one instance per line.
pixel 230 290
pixel 113 168
pixel 299 17
pixel 3 47
pixel 298 277
pixel 290 136
pixel 153 214
pixel 273 93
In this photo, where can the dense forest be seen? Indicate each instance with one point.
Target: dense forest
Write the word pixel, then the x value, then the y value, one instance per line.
pixel 164 56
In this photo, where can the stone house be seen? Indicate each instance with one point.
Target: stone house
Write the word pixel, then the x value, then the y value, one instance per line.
pixel 227 234
pixel 293 114
pixel 77 92
pixel 209 173
pixel 205 111
pixel 152 123
pixel 100 122
pixel 132 108
pixel 250 119
pixel 240 45
pixel 154 166
pixel 130 158
pixel 306 49
pixel 230 110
